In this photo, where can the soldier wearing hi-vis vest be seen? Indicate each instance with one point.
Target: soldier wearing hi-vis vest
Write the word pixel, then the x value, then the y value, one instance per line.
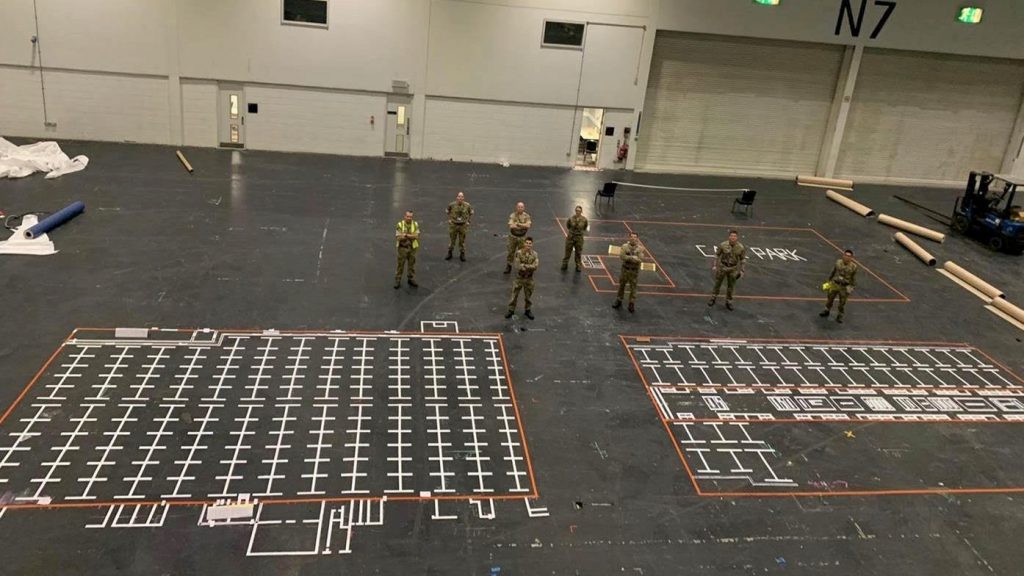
pixel 632 255
pixel 728 267
pixel 407 242
pixel 518 225
pixel 576 227
pixel 840 283
pixel 459 215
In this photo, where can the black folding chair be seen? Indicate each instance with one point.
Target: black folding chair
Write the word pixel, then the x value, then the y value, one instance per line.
pixel 607 192
pixel 746 201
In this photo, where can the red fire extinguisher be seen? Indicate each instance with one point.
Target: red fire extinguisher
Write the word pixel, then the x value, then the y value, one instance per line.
pixel 623 151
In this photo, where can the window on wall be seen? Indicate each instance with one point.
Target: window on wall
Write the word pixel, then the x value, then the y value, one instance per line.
pixel 563 34
pixel 304 12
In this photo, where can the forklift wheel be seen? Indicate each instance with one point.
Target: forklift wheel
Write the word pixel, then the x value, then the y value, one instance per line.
pixel 996 243
pixel 960 223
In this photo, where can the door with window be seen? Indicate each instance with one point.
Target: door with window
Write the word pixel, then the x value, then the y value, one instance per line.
pixel 231 112
pixel 396 132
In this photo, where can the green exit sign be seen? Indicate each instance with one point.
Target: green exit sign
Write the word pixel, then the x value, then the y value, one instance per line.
pixel 768 2
pixel 970 15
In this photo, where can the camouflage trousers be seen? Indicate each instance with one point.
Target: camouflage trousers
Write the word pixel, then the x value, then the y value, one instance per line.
pixel 457 237
pixel 514 244
pixel 573 243
pixel 628 279
pixel 729 277
pixel 842 293
pixel 525 285
pixel 406 256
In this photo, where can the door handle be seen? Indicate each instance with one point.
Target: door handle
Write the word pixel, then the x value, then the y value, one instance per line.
pixel 243 120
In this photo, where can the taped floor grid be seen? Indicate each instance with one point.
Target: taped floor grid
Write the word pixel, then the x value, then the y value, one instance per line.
pixel 286 417
pixel 802 417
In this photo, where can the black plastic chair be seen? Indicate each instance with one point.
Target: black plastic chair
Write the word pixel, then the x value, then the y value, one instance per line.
pixel 746 201
pixel 607 192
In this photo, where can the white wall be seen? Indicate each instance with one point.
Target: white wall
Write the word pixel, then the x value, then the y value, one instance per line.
pixel 199 112
pixel 84 105
pixel 369 43
pixel 493 52
pixel 324 121
pixel 477 131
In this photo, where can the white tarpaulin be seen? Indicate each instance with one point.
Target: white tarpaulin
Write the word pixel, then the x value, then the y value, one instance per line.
pixel 20 161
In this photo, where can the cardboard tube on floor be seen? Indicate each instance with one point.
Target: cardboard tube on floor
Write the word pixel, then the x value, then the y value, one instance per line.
pixel 816 181
pixel 975 282
pixel 912 228
pixel 1009 309
pixel 184 162
pixel 914 248
pixel 849 203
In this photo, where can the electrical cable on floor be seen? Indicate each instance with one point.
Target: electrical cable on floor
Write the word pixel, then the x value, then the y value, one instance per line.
pixel 19 217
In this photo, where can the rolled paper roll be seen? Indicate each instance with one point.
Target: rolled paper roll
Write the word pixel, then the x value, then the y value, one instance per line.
pixel 1009 309
pixel 912 228
pixel 824 182
pixel 973 281
pixel 849 203
pixel 914 248
pixel 56 219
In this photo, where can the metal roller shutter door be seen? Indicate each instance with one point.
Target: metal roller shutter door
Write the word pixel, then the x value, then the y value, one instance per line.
pixel 722 104
pixel 921 116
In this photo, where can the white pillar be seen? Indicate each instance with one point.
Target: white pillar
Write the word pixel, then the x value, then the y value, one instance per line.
pixel 643 73
pixel 1013 160
pixel 845 85
pixel 175 119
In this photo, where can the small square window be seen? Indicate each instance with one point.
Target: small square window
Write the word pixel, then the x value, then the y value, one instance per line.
pixel 609 130
pixel 304 12
pixel 254 108
pixel 563 34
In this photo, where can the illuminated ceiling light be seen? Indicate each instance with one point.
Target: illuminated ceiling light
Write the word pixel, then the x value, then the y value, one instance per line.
pixel 768 2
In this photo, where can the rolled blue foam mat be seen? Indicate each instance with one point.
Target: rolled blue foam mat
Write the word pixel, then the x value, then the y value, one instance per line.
pixel 56 219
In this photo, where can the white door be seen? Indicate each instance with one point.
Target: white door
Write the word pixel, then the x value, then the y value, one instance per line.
pixel 396 131
pixel 231 111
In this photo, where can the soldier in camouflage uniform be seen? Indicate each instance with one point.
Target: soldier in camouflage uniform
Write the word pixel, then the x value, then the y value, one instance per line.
pixel 459 215
pixel 526 262
pixel 407 241
pixel 841 282
pixel 576 226
pixel 518 225
pixel 632 255
pixel 728 267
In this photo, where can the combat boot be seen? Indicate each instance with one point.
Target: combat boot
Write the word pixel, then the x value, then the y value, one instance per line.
pixel 617 305
pixel 449 256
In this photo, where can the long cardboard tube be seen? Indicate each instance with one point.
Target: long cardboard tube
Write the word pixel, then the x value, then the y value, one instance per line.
pixel 184 162
pixel 912 228
pixel 914 248
pixel 1009 309
pixel 825 182
pixel 849 203
pixel 977 283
